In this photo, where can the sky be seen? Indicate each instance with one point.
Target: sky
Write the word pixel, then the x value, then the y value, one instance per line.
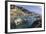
pixel 32 8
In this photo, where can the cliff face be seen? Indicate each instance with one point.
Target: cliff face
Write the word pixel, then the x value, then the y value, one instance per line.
pixel 27 18
pixel 20 11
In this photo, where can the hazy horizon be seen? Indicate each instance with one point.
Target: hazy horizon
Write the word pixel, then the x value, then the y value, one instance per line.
pixel 35 9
